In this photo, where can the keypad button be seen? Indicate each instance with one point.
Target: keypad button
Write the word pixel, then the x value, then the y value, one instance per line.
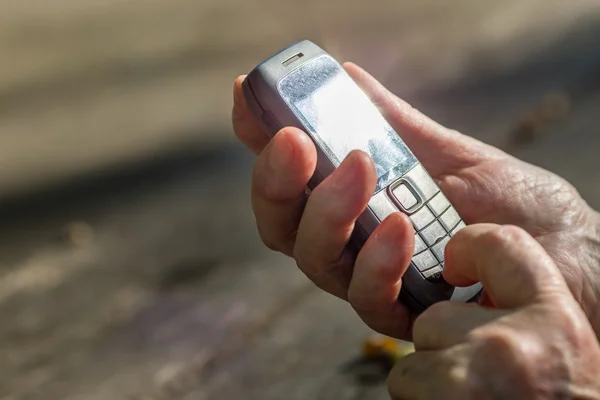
pixel 405 197
pixel 439 204
pixel 458 228
pixel 433 233
pixel 449 219
pixel 419 244
pixel 422 218
pixel 438 249
pixel 382 206
pixel 434 274
pixel 424 261
pixel 420 180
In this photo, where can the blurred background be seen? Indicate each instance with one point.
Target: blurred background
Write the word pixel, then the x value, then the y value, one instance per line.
pixel 129 262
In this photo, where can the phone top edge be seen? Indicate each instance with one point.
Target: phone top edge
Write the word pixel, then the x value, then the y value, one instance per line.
pixel 276 67
pixel 289 50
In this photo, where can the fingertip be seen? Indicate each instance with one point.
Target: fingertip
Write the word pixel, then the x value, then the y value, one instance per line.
pixel 400 226
pixel 245 126
pixel 377 277
pixel 351 67
pixel 454 277
pixel 460 270
pixel 512 266
pixel 302 157
pixel 301 141
pixel 285 166
pixel 389 249
pixel 238 97
pixel 364 167
pixel 238 81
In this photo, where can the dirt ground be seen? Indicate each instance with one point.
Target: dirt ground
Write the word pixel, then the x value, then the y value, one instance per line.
pixel 129 263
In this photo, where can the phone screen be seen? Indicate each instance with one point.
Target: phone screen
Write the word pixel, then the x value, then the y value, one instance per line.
pixel 341 118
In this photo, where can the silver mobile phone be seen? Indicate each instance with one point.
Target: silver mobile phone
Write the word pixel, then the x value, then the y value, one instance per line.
pixel 303 86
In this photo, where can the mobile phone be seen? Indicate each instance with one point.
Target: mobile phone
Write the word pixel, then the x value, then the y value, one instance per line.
pixel 305 87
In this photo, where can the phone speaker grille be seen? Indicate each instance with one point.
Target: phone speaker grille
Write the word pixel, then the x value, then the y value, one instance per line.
pixel 292 59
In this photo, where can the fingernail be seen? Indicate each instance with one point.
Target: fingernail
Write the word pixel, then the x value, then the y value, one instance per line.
pixel 281 154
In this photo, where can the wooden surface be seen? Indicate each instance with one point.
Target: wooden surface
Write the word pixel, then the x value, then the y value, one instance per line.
pixel 148 281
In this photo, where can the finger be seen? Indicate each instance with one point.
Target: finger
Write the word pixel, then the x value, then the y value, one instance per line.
pixel 447 324
pixel 328 221
pixel 280 175
pixel 513 267
pixel 430 141
pixel 245 125
pixel 430 375
pixel 377 276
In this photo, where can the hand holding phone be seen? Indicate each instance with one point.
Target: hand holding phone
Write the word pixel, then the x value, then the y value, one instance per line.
pixel 304 87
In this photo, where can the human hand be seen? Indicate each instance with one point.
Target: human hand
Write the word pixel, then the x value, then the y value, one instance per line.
pixel 483 183
pixel 536 344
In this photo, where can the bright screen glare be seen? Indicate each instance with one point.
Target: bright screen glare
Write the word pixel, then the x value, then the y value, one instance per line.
pixel 341 118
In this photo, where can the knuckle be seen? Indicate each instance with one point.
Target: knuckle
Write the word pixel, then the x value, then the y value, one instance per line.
pixel 503 236
pixel 425 322
pixel 573 325
pixel 516 351
pixel 521 358
pixel 503 342
pixel 364 304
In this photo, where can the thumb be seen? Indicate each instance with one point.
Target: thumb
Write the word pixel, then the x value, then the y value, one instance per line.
pixel 513 267
pixel 440 149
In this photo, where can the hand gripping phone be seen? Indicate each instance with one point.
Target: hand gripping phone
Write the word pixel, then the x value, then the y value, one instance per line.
pixel 303 86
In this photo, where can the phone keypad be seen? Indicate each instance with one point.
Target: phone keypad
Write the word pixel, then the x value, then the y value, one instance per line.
pixel 435 222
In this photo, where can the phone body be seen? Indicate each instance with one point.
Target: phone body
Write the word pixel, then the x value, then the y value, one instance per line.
pixel 305 87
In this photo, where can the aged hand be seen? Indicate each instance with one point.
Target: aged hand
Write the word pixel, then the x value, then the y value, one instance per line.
pixel 535 344
pixel 483 183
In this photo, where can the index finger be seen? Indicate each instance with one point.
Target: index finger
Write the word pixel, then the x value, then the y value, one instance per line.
pixel 245 125
pixel 513 267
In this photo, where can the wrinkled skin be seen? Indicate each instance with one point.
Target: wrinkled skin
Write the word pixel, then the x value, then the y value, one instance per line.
pixel 484 184
pixel 535 344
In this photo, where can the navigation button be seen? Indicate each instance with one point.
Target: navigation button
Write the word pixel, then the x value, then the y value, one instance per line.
pixel 404 195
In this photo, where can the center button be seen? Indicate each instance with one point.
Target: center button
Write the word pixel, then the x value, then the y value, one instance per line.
pixel 405 196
